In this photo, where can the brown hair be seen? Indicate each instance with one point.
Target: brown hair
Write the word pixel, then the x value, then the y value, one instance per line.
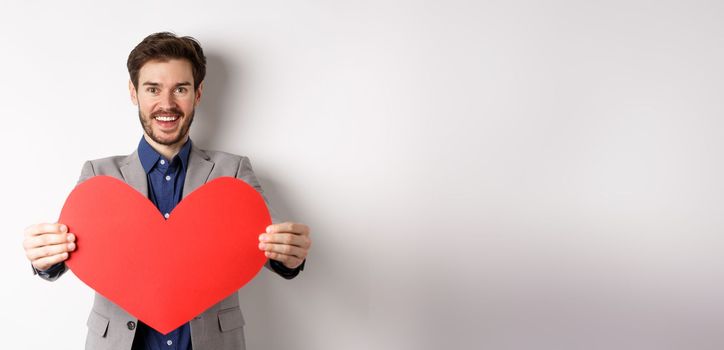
pixel 163 47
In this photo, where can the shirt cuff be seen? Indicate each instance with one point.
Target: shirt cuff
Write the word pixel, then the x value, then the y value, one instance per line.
pixel 51 272
pixel 285 271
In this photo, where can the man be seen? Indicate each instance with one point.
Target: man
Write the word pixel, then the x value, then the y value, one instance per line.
pixel 166 83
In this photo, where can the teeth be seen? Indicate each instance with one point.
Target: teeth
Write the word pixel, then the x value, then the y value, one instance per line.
pixel 166 119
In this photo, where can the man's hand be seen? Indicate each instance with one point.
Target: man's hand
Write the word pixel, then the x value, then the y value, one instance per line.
pixel 287 243
pixel 48 244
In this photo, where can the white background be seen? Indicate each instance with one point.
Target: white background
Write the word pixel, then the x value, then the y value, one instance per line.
pixel 477 174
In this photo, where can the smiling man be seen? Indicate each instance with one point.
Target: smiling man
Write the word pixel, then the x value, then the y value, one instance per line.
pixel 166 83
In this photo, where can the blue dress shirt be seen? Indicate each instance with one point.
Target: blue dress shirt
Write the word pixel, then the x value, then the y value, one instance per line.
pixel 165 189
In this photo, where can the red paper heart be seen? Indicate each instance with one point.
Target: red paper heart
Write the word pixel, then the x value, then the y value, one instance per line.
pixel 165 272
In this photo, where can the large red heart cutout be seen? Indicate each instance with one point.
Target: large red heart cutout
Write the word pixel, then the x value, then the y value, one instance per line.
pixel 165 272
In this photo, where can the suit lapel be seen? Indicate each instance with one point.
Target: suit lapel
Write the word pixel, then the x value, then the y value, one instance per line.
pixel 198 170
pixel 133 173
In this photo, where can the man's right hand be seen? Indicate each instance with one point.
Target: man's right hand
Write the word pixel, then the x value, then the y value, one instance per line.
pixel 48 244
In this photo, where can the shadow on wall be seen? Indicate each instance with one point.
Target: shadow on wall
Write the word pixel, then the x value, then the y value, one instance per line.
pixel 213 112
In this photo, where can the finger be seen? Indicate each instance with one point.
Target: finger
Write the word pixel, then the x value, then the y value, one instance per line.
pixel 40 229
pixel 49 250
pixel 284 249
pixel 46 239
pixel 289 227
pixel 45 251
pixel 45 263
pixel 288 260
pixel 286 238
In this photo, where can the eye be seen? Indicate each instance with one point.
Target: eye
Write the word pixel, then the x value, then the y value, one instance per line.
pixel 181 90
pixel 152 90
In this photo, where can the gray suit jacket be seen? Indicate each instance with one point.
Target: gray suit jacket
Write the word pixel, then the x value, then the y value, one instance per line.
pixel 220 327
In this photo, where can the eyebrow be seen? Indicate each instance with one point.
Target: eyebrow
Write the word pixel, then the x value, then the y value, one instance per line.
pixel 150 83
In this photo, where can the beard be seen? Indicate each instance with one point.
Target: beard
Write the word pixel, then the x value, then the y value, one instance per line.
pixel 185 121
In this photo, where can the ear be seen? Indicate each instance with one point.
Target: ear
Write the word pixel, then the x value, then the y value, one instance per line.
pixel 132 91
pixel 199 92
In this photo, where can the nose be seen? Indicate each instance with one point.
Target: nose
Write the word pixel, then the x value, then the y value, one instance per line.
pixel 167 101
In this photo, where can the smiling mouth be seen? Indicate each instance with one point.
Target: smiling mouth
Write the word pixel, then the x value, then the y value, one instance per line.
pixel 166 118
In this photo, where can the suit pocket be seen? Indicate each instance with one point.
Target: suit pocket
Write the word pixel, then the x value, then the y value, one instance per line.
pixel 230 319
pixel 98 323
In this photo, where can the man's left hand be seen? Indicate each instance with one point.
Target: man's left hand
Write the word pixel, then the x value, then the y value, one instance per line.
pixel 287 243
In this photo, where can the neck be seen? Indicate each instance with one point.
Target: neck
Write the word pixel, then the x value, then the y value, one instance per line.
pixel 167 151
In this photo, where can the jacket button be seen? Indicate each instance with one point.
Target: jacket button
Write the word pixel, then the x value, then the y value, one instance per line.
pixel 131 325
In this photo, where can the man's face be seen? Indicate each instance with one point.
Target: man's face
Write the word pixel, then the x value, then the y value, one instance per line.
pixel 166 100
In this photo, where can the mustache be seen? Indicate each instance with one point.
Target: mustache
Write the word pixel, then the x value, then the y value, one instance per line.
pixel 170 111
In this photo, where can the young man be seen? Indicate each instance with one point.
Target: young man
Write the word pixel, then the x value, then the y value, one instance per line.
pixel 166 83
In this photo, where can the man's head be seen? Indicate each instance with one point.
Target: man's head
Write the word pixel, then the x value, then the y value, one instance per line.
pixel 166 81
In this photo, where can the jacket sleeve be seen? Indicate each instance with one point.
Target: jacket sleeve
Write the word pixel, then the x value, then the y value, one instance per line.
pixel 57 270
pixel 246 173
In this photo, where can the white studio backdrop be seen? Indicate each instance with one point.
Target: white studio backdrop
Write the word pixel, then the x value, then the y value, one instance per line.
pixel 477 174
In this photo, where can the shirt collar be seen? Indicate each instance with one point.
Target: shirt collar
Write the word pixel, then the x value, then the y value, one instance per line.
pixel 150 156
